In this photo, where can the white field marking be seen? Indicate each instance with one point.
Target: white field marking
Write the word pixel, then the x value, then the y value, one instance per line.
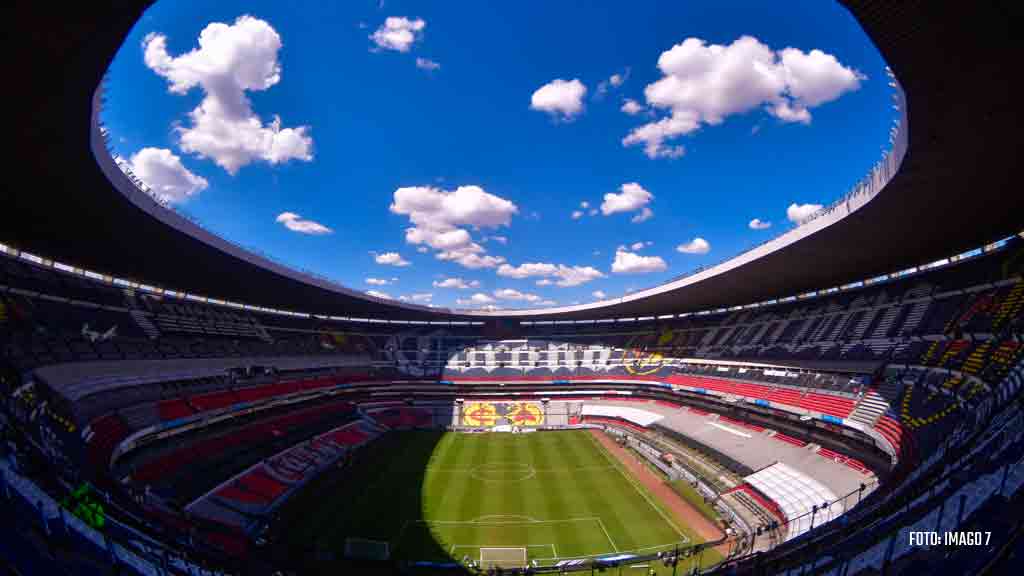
pixel 530 473
pixel 499 523
pixel 636 487
pixel 668 546
pixel 484 546
pixel 520 549
pixel 550 469
pixel 489 516
pixel 553 551
pixel 729 430
pixel 607 535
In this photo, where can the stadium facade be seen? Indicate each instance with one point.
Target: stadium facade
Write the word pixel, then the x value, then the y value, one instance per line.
pixel 885 383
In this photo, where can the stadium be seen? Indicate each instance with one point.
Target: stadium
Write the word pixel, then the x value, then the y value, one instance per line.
pixel 843 398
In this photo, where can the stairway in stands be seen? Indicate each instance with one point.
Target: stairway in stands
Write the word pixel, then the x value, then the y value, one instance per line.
pixel 914 316
pixel 977 359
pixel 875 402
pixel 1010 307
pixel 885 322
pixel 261 332
pixel 140 317
pixel 864 323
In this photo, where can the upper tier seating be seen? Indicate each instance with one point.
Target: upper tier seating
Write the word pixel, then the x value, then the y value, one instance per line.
pixel 831 405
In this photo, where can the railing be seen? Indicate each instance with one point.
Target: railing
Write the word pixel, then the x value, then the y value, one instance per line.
pixel 987 428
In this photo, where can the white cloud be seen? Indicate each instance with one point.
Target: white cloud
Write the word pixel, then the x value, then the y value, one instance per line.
pixel 576 275
pixel 654 134
pixel 499 239
pixel 510 294
pixel 797 213
pixel 422 297
pixel 696 246
pixel 632 107
pixel 422 249
pixel 527 270
pixel 391 259
pixel 230 60
pixel 613 81
pixel 296 223
pixel 427 64
pixel 457 283
pixel 398 33
pixel 560 98
pixel 599 294
pixel 640 245
pixel 632 198
pixel 378 294
pixel 545 282
pixel 547 303
pixel 585 209
pixel 378 281
pixel 437 216
pixel 565 276
pixel 703 84
pixel 758 224
pixel 164 173
pixel 644 215
pixel 475 299
pixel 631 263
pixel 470 259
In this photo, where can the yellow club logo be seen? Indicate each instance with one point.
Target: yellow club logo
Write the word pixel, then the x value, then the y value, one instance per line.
pixel 641 363
pixel 479 414
pixel 525 414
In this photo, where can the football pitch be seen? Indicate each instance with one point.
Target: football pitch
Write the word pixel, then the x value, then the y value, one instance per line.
pixel 497 499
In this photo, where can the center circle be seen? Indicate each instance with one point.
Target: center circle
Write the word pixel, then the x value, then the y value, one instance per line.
pixel 503 472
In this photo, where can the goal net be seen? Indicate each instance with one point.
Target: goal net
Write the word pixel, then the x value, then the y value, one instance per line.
pixel 502 557
pixel 365 549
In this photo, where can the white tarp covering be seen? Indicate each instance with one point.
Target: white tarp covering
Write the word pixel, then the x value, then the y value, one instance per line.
pixel 796 493
pixel 634 415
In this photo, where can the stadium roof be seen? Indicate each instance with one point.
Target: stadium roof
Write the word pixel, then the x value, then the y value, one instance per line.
pixel 953 192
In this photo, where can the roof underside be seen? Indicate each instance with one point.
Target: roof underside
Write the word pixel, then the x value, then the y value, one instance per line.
pixel 953 193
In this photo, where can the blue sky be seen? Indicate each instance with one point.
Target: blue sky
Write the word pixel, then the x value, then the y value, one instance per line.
pixel 460 141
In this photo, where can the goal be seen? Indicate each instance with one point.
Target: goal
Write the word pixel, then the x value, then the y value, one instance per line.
pixel 502 557
pixel 365 549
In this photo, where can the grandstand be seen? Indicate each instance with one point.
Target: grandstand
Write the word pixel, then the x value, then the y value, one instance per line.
pixel 819 414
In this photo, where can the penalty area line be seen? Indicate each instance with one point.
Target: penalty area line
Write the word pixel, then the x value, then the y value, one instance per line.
pixel 606 534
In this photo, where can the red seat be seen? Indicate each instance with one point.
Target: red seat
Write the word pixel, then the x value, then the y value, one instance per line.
pixel 174 409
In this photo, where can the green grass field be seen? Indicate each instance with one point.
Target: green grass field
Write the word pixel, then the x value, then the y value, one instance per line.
pixel 438 496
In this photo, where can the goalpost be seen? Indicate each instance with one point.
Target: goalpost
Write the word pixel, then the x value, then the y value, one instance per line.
pixel 502 557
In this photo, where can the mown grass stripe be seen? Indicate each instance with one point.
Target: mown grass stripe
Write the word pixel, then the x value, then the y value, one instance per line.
pixel 546 456
pixel 604 496
pixel 639 489
pixel 431 475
